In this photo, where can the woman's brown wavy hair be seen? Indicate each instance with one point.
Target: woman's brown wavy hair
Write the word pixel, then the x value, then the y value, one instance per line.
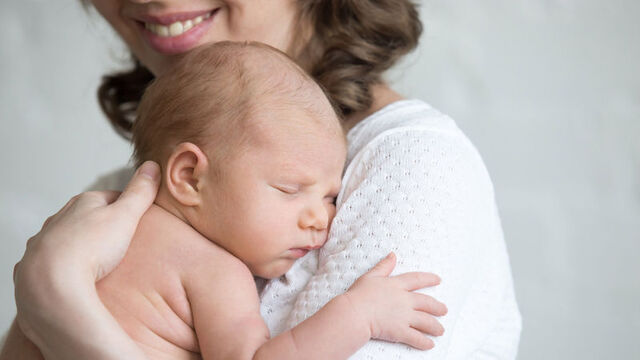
pixel 350 43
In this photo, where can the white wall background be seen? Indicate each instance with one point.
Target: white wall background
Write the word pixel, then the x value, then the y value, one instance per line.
pixel 549 91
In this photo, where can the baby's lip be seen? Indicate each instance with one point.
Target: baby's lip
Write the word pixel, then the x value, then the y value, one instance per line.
pixel 302 251
pixel 298 252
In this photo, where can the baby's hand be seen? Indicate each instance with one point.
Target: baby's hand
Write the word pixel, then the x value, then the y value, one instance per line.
pixel 394 312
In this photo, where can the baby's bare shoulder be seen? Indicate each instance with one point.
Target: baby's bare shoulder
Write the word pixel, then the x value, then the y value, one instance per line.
pixel 163 237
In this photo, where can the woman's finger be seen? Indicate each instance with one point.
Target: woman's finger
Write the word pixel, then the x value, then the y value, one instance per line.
pixel 417 280
pixel 63 209
pixel 96 199
pixel 110 196
pixel 140 192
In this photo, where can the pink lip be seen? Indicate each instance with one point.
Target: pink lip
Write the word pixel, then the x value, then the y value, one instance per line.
pixel 176 44
pixel 298 252
pixel 169 19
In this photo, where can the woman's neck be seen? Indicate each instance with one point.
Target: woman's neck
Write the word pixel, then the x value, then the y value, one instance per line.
pixel 382 95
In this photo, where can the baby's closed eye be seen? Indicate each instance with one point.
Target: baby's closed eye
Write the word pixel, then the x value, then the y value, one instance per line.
pixel 287 189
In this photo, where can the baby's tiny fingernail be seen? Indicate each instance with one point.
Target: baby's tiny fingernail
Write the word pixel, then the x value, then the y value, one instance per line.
pixel 444 310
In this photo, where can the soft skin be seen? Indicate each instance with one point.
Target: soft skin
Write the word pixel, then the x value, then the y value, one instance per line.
pixel 289 209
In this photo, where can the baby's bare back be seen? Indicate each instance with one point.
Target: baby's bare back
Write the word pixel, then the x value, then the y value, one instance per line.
pixel 145 293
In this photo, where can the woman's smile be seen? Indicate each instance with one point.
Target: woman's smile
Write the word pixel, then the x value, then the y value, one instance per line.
pixel 157 30
pixel 175 33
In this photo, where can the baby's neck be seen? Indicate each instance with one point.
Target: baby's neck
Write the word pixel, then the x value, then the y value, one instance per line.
pixel 167 203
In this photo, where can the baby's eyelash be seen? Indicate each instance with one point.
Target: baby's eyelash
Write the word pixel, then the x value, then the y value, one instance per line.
pixel 288 190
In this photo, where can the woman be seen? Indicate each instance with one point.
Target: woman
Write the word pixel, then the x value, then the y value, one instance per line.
pixel 414 184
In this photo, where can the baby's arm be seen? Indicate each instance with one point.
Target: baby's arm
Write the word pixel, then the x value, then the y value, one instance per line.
pixel 377 306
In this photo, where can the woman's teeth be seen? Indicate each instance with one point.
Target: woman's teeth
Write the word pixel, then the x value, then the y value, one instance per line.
pixel 177 28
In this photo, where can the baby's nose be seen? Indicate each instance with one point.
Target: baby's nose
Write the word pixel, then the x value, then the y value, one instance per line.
pixel 315 216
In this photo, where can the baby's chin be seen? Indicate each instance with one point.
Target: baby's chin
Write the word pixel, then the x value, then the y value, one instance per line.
pixel 274 270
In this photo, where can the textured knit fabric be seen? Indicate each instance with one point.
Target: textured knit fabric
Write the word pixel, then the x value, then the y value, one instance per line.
pixel 415 185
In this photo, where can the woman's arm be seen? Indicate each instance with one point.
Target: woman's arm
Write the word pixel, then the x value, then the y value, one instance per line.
pixel 426 196
pixel 58 307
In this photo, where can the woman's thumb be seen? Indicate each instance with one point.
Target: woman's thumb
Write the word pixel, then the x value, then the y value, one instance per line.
pixel 141 190
pixel 385 266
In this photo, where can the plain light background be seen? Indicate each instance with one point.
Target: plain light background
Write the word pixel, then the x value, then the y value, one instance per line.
pixel 549 91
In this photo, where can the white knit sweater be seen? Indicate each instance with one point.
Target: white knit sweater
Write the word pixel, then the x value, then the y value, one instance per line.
pixel 415 185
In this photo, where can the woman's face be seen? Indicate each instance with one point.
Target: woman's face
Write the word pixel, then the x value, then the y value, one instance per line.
pixel 157 30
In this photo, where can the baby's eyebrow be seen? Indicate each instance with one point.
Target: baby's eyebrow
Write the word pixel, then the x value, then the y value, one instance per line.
pixel 289 179
pixel 294 175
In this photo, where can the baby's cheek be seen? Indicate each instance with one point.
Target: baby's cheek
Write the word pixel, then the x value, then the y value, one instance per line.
pixel 271 216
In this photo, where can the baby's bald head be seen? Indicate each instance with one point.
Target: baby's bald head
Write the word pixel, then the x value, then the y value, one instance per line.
pixel 216 96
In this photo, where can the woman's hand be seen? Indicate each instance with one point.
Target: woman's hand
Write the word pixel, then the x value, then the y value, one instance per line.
pixel 58 307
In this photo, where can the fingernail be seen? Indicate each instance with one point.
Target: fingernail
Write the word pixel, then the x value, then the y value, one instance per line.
pixel 150 169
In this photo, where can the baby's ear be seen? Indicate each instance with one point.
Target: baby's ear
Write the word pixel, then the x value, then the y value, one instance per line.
pixel 185 172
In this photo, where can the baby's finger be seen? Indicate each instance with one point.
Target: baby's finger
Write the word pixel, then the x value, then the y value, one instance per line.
pixel 385 266
pixel 417 280
pixel 429 305
pixel 416 339
pixel 426 324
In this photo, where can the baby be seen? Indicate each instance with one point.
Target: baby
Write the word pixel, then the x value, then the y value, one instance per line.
pixel 252 154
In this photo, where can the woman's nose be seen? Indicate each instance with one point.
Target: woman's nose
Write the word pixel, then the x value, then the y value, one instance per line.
pixel 314 216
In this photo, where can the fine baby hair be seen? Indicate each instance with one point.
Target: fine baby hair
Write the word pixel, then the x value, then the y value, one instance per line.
pixel 214 97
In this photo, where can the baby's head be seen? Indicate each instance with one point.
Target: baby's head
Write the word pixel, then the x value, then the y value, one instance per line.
pixel 251 151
